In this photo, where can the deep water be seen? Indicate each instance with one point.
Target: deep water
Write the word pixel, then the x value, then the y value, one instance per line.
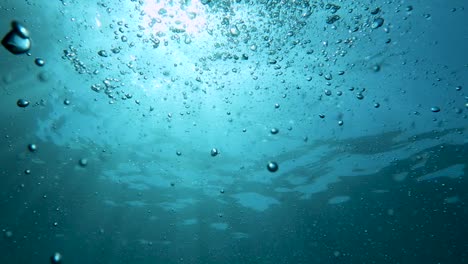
pixel 149 132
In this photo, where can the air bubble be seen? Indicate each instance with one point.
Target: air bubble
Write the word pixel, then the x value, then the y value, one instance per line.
pixel 272 166
pixel 83 162
pixel 56 258
pixel 17 41
pixel 378 22
pixel 102 53
pixel 234 31
pixel 39 62
pixel 214 152
pixel 435 109
pixel 8 234
pixel 22 103
pixel 32 147
pixel 20 29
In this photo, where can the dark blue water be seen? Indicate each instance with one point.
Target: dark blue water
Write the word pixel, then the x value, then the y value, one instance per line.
pixel 339 128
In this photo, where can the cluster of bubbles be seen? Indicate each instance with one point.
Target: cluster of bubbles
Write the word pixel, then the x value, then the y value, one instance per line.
pixel 245 40
pixel 244 36
pixel 238 39
pixel 18 41
pixel 272 28
pixel 71 54
pixel 113 88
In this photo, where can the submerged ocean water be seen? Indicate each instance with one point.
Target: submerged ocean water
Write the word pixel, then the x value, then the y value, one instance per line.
pixel 242 131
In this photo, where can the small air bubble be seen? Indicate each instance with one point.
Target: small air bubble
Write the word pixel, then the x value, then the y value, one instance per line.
pixel 83 162
pixel 102 53
pixel 22 103
pixel 8 234
pixel 435 109
pixel 56 258
pixel 32 147
pixel 214 152
pixel 378 22
pixel 272 166
pixel 39 62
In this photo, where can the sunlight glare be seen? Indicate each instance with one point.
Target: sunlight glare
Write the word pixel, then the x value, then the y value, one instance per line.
pixel 163 16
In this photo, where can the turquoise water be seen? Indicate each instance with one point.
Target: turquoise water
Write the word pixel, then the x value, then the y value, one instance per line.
pixel 234 132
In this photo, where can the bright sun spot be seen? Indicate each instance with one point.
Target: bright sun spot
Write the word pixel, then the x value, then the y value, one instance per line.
pixel 163 16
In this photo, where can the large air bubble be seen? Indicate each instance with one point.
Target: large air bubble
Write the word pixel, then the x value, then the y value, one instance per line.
pixel 17 41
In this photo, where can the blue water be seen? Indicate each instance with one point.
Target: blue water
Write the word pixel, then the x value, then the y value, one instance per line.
pixel 362 105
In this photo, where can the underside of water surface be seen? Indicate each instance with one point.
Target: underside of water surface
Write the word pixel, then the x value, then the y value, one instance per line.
pixel 234 131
